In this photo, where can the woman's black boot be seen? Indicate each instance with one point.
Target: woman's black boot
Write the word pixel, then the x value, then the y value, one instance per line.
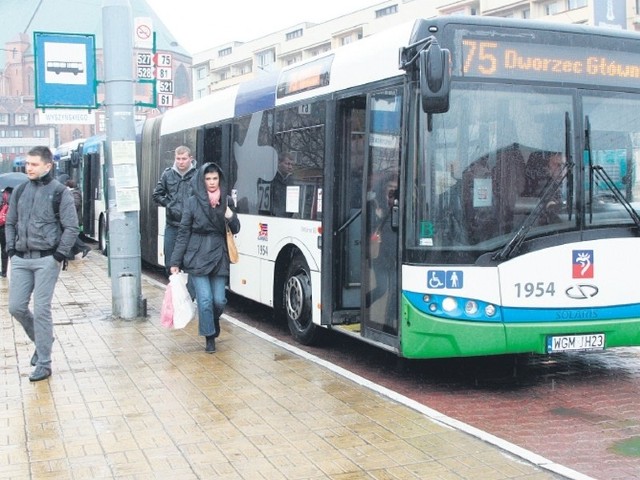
pixel 216 323
pixel 211 344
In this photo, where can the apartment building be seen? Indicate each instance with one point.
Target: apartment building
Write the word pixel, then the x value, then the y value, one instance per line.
pixel 234 62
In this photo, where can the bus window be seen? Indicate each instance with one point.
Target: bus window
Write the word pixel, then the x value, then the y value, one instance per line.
pixel 296 186
pixel 471 178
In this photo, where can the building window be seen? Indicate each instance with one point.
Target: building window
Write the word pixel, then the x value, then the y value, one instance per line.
pixel 573 4
pixel 202 73
pixel 294 34
pixel 390 10
pixel 225 51
pixel 39 133
pixel 201 93
pixel 290 60
pixel 554 7
pixel 4 119
pixel 266 58
pixel 22 119
pixel 526 13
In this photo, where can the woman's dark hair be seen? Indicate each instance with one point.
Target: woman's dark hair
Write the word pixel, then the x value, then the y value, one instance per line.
pixel 211 168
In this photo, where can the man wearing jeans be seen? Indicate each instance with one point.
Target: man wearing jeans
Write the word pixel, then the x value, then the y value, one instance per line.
pixel 38 242
pixel 171 192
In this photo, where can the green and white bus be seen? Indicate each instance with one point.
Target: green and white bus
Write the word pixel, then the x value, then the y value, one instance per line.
pixel 457 186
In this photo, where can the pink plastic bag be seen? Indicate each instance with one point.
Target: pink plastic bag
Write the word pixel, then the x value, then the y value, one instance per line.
pixel 166 314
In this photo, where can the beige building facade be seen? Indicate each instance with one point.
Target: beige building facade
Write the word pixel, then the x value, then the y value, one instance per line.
pixel 234 62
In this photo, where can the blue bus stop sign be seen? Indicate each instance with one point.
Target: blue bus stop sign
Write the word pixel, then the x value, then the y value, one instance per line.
pixel 65 70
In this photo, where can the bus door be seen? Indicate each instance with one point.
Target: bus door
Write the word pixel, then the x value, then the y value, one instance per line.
pixel 90 184
pixel 365 261
pixel 381 217
pixel 349 196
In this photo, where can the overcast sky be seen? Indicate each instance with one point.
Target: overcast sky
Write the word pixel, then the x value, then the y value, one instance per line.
pixel 201 24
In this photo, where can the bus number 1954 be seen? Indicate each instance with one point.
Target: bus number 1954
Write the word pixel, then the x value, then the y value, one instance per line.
pixel 538 289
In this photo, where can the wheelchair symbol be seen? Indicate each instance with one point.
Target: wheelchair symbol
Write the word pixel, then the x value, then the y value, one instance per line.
pixel 436 279
pixel 445 279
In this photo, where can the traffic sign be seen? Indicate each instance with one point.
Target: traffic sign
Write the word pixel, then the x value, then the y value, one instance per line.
pixel 143 32
pixel 145 73
pixel 163 73
pixel 165 86
pixel 165 100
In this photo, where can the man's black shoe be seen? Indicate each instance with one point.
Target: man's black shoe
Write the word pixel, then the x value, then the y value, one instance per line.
pixel 85 251
pixel 40 373
pixel 34 358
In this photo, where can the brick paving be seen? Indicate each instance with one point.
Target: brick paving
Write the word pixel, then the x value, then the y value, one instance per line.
pixel 132 400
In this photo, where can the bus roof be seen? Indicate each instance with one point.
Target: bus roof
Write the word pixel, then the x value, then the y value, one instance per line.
pixel 92 144
pixel 62 151
pixel 368 60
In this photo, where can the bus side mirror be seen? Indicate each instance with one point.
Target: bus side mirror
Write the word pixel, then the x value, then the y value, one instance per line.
pixel 435 79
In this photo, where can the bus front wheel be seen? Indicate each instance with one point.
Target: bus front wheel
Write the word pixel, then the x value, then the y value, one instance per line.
pixel 297 302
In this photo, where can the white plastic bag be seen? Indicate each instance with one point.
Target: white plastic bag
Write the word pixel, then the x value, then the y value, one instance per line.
pixel 183 308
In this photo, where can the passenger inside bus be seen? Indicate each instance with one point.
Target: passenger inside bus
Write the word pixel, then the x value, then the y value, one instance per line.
pixel 282 179
pixel 542 168
pixel 383 253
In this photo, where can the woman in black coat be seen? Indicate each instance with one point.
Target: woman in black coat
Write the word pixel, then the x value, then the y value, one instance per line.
pixel 201 247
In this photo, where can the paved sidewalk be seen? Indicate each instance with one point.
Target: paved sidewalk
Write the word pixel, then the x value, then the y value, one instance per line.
pixel 132 400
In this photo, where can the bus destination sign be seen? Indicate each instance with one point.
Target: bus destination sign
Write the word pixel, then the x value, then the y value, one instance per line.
pixel 485 58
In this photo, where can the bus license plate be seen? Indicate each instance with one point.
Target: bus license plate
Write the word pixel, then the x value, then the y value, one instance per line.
pixel 569 343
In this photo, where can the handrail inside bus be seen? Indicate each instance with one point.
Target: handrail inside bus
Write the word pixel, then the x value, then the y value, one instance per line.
pixel 349 221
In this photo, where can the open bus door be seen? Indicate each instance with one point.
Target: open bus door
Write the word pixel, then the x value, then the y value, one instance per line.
pixel 365 260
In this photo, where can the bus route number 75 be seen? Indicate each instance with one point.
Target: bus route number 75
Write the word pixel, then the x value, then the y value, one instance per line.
pixel 480 52
pixel 537 289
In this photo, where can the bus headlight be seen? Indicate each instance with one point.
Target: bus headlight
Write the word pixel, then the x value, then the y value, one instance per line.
pixel 471 307
pixel 449 304
pixel 490 310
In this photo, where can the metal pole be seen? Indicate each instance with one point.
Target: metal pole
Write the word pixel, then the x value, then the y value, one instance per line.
pixel 120 158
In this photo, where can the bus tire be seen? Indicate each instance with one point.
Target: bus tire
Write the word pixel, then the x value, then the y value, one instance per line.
pixel 296 300
pixel 102 235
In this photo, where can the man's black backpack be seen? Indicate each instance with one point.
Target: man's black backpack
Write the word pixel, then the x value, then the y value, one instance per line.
pixel 57 198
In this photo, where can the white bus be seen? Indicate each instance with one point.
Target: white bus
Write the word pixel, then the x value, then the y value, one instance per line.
pixel 407 220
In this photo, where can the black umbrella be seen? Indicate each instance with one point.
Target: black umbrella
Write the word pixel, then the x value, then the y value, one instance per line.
pixel 12 179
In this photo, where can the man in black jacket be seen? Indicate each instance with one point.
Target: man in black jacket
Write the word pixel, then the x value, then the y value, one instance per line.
pixel 171 192
pixel 38 242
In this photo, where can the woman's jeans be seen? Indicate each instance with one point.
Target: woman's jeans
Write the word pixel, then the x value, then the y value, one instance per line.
pixel 211 297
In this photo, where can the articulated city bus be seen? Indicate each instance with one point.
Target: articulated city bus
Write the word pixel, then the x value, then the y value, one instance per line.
pixel 460 186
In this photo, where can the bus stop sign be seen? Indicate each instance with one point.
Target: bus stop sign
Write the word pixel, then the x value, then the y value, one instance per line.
pixel 65 70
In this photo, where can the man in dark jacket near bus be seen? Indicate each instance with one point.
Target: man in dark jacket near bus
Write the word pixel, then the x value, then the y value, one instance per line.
pixel 38 242
pixel 171 192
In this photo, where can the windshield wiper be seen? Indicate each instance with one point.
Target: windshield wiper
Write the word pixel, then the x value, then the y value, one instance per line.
pixel 599 172
pixel 567 149
pixel 549 191
pixel 552 186
pixel 602 174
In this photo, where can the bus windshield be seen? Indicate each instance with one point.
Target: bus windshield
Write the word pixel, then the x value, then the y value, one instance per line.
pixel 484 166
